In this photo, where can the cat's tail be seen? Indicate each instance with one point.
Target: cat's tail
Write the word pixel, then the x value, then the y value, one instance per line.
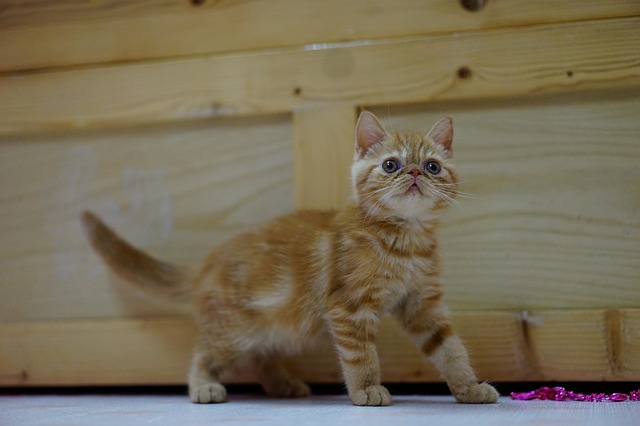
pixel 154 277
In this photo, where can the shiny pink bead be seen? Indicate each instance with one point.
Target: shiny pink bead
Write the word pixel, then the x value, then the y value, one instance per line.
pixel 561 394
pixel 617 397
pixel 524 396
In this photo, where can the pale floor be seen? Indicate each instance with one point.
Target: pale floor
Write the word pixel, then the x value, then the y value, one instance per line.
pixel 242 410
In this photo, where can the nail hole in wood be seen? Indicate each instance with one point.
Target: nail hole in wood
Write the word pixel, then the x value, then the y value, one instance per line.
pixel 569 73
pixel 464 73
pixel 473 5
pixel 197 2
pixel 297 91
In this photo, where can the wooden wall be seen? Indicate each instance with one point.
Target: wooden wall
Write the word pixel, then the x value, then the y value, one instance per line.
pixel 185 122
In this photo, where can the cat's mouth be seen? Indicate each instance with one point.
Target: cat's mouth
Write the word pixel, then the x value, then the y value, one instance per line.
pixel 414 189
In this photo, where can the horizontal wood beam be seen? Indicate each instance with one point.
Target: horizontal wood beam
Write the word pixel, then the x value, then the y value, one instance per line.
pixel 40 35
pixel 506 62
pixel 567 345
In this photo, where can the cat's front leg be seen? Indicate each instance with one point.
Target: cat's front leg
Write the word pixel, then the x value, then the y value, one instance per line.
pixel 427 322
pixel 204 385
pixel 354 336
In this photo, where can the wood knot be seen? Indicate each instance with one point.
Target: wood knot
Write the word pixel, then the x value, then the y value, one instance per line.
pixel 473 5
pixel 464 73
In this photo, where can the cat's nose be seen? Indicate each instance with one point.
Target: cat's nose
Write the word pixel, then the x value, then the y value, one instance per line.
pixel 414 172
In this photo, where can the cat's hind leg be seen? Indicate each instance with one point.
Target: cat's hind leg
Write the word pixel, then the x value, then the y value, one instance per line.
pixel 206 366
pixel 278 380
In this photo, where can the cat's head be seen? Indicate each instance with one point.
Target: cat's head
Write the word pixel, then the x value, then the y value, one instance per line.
pixel 404 175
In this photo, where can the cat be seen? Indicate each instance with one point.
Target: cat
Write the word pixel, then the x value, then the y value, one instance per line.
pixel 272 292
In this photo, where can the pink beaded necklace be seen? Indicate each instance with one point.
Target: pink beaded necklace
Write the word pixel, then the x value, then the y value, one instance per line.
pixel 561 394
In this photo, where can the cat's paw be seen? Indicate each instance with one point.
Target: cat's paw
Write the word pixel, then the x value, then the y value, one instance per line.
pixel 294 388
pixel 373 395
pixel 482 393
pixel 208 393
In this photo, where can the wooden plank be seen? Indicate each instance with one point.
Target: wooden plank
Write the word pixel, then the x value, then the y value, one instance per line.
pixel 158 350
pixel 549 58
pixel 551 220
pixel 323 142
pixel 88 353
pixel 176 191
pixel 626 341
pixel 75 33
pixel 531 230
pixel 599 345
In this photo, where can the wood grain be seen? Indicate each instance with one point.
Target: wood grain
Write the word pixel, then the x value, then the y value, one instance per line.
pixel 542 257
pixel 551 219
pixel 323 151
pixel 176 191
pixel 37 34
pixel 568 345
pixel 508 62
pixel 544 218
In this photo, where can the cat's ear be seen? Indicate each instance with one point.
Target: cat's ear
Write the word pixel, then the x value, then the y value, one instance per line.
pixel 369 132
pixel 442 134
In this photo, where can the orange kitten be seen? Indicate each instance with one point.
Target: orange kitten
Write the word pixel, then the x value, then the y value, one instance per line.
pixel 309 275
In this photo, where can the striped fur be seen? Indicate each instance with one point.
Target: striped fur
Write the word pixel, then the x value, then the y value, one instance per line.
pixel 312 275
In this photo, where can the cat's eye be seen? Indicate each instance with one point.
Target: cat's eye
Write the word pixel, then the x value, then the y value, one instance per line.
pixel 433 167
pixel 391 165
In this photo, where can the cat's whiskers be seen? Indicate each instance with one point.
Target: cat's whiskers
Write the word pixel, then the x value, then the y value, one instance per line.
pixel 450 183
pixel 372 193
pixel 456 192
pixel 447 197
pixel 383 201
pixel 372 202
pixel 467 195
pixel 376 202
